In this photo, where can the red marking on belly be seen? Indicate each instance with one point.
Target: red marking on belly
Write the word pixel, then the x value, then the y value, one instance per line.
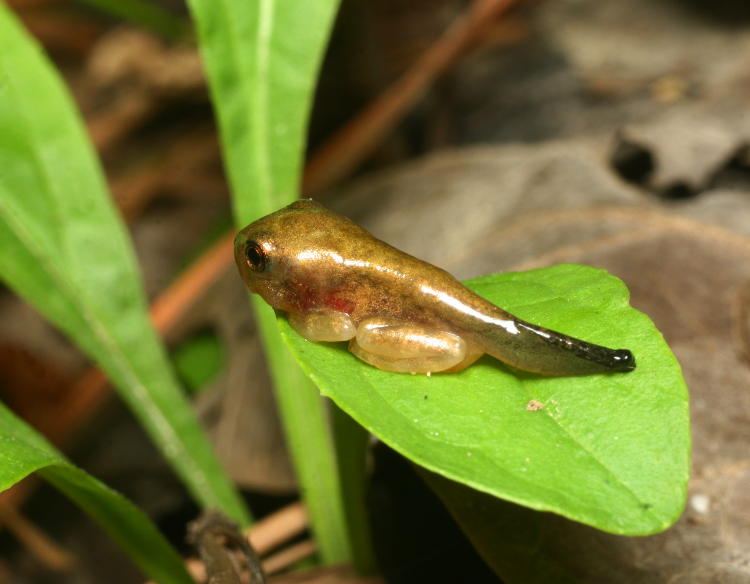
pixel 304 297
pixel 339 303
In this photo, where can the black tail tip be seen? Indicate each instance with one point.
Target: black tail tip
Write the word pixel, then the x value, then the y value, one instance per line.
pixel 623 360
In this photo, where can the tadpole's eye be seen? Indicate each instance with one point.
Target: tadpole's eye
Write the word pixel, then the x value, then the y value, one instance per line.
pixel 256 256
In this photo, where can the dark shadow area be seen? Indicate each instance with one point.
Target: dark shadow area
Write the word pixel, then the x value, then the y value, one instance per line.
pixel 632 162
pixel 416 539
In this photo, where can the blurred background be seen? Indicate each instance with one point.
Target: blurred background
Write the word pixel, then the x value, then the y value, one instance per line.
pixel 482 136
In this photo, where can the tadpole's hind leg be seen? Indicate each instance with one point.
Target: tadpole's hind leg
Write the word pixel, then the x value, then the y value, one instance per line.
pixel 323 325
pixel 409 348
pixel 469 359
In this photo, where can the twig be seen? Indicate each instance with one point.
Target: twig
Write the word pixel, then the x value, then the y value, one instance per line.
pixel 289 556
pixel 58 29
pixel 270 532
pixel 218 540
pixel 341 154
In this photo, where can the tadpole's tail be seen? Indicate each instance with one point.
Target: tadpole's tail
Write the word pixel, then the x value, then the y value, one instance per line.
pixel 540 350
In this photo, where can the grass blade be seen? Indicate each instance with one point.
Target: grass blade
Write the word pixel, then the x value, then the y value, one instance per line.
pixel 261 60
pixel 65 250
pixel 24 451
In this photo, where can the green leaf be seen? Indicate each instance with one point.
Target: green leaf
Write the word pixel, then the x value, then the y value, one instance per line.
pixel 261 60
pixel 65 250
pixel 611 451
pixel 23 451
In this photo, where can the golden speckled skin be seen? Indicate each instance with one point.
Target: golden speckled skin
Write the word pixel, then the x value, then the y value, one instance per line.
pixel 322 268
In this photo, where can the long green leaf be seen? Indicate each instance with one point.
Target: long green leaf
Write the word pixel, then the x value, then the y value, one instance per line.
pixel 261 60
pixel 65 250
pixel 611 451
pixel 23 451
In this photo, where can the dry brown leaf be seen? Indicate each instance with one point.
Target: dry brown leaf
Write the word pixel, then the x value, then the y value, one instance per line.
pixel 690 144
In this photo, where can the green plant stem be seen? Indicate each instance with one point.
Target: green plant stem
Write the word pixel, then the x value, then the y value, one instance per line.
pixel 351 441
pixel 309 439
pixel 261 60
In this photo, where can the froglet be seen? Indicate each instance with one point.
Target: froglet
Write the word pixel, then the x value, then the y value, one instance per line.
pixel 337 282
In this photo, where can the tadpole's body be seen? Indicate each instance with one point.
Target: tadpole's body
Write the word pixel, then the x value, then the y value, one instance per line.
pixel 339 283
